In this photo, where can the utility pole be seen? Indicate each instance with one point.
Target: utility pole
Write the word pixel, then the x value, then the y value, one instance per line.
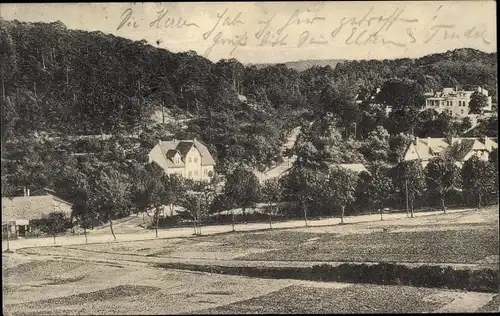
pixel 406 190
pixel 8 233
pixel 199 216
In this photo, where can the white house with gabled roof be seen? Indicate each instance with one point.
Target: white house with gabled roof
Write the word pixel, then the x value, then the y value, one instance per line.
pixel 189 159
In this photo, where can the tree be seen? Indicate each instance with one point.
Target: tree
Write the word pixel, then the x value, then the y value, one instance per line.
pixel 175 187
pixel 155 192
pixel 111 192
pixel 82 210
pixel 441 176
pixel 408 177
pixel 271 193
pixel 191 202
pixel 376 146
pixel 339 189
pixel 302 184
pixel 406 98
pixel 242 187
pixel 205 194
pixel 401 94
pixel 54 224
pixel 380 190
pixel 477 102
pixel 397 146
pixel 371 116
pixel 477 179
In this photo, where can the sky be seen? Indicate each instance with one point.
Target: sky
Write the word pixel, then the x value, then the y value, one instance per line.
pixel 270 32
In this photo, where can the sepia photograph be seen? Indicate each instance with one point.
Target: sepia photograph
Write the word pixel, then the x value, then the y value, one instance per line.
pixel 315 157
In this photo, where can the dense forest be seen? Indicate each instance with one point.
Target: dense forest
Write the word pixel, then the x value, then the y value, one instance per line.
pixel 57 82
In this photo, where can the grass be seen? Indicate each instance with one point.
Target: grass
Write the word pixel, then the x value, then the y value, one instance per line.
pixel 492 306
pixel 452 246
pixel 460 244
pixel 352 299
pixel 107 294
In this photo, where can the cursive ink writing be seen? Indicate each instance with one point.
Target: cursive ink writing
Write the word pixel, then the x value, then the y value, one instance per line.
pixel 306 35
pixel 452 32
pixel 295 19
pixel 236 41
pixel 265 27
pixel 361 33
pixel 226 22
pixel 162 20
pixel 127 20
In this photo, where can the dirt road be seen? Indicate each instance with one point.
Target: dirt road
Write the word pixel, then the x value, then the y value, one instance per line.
pixel 144 234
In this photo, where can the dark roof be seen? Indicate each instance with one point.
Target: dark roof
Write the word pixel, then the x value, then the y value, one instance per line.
pixel 183 147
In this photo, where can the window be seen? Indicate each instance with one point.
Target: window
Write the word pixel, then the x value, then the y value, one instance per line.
pixel 190 174
pixel 195 159
pixel 196 173
pixel 205 172
pixel 190 159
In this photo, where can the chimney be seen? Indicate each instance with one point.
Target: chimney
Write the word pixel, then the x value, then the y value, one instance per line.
pixel 416 140
pixel 194 139
pixel 429 142
pixel 24 191
pixel 486 143
pixel 27 192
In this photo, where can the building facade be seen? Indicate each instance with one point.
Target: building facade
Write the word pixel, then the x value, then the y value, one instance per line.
pixel 189 159
pixel 454 101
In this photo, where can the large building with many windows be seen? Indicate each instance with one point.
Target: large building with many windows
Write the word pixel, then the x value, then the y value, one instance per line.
pixel 454 101
pixel 187 158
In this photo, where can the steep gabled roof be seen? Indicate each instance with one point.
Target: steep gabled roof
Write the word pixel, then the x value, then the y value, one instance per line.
pixel 171 147
pixel 442 147
pixel 466 146
pixel 206 157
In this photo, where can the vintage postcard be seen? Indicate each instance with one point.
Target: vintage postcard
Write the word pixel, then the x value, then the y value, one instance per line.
pixel 249 157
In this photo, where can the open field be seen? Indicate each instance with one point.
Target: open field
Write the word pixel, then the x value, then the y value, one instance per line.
pixel 120 277
pixel 55 287
pixel 443 238
pixel 128 229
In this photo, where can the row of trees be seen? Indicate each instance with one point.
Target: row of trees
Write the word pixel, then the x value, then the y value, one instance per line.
pixel 307 191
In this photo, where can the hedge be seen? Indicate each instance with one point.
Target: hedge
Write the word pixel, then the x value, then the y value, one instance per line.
pixel 481 280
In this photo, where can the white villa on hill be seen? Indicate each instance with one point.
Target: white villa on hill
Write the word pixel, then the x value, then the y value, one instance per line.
pixel 454 101
pixel 187 158
pixel 461 149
